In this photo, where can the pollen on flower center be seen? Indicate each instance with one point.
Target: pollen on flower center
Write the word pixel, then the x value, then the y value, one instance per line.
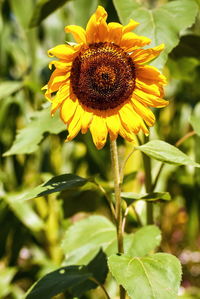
pixel 103 76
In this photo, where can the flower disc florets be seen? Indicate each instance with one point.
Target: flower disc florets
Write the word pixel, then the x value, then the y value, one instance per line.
pixel 103 76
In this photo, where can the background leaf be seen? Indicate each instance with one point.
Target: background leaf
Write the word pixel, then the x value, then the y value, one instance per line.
pixel 43 9
pixel 25 212
pixel 152 277
pixel 28 138
pixel 162 24
pixel 165 152
pixel 9 87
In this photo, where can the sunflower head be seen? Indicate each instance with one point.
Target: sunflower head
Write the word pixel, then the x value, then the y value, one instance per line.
pixel 103 83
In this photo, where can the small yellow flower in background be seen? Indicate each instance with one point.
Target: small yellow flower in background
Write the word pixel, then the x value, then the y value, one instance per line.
pixel 102 83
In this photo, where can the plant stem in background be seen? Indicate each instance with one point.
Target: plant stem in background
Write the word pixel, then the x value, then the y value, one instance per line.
pixel 148 184
pixel 118 205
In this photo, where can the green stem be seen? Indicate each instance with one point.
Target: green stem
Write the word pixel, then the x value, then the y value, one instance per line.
pixel 118 205
pixel 148 184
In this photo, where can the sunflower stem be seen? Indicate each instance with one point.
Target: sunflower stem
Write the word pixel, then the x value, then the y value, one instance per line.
pixel 118 204
pixel 148 184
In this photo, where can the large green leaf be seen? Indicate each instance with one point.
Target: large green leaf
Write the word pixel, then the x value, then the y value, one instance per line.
pixel 28 138
pixel 74 279
pixel 43 9
pixel 9 87
pixel 56 184
pixel 162 24
pixel 84 239
pixel 143 241
pixel 165 152
pixel 154 277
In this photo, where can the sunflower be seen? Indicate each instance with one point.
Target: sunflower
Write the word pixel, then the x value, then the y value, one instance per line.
pixel 102 83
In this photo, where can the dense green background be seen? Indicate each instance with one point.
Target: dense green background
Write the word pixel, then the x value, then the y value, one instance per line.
pixel 32 230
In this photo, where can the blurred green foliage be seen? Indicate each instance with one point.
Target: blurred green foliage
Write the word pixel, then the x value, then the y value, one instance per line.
pixel 32 230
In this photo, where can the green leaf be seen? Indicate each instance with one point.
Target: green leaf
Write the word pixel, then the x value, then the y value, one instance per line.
pixel 143 242
pixel 22 10
pixel 129 177
pixel 6 276
pixel 28 138
pixel 74 279
pixel 162 24
pixel 188 47
pixel 24 212
pixel 194 120
pixel 9 87
pixel 165 152
pixel 80 11
pixel 84 239
pixel 56 184
pixel 131 197
pixel 154 277
pixel 43 9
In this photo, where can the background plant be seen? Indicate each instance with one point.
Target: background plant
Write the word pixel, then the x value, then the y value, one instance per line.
pixel 33 228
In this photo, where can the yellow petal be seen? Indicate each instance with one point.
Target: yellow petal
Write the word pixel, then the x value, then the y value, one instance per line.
pixel 66 52
pixel 144 56
pixel 60 64
pixel 99 131
pixel 97 29
pixel 113 124
pixel 126 135
pixel 148 88
pixel 68 109
pixel 130 119
pixel 78 33
pixel 149 75
pixel 115 32
pixel 149 99
pixel 86 120
pixel 57 79
pixel 131 41
pixel 62 94
pixel 144 112
pixel 130 26
pixel 74 125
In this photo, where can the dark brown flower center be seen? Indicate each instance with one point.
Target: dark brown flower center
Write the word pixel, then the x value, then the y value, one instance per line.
pixel 103 76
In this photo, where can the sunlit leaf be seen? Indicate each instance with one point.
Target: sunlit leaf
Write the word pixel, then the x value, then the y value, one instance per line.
pixel 43 9
pixel 74 279
pixel 9 87
pixel 56 184
pixel 162 24
pixel 144 241
pixel 28 138
pixel 155 276
pixel 84 239
pixel 130 197
pixel 165 152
